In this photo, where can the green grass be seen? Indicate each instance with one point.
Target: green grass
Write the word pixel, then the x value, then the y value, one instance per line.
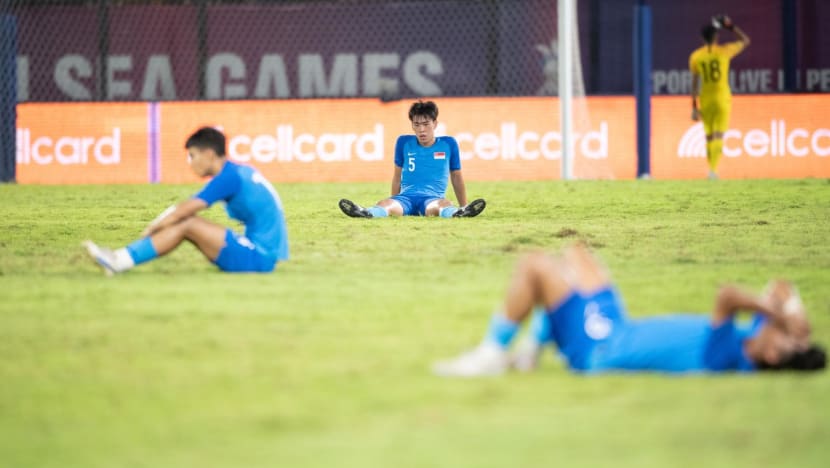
pixel 326 362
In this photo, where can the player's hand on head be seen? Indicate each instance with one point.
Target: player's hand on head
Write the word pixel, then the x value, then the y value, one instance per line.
pixel 797 325
pixel 726 22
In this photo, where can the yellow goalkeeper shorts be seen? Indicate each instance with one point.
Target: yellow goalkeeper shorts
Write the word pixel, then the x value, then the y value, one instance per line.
pixel 715 114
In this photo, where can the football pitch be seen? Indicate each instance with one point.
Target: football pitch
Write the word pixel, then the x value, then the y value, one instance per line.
pixel 326 362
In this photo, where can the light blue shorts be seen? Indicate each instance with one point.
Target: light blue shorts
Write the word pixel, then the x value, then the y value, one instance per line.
pixel 415 205
pixel 240 255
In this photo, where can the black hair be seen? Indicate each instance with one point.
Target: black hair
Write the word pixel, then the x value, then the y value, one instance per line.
pixel 428 109
pixel 207 138
pixel 708 32
pixel 813 358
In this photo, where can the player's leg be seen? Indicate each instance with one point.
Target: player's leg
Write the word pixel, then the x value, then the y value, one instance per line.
pixel 715 122
pixel 707 116
pixel 395 206
pixel 720 123
pixel 229 251
pixel 539 279
pixel 438 207
pixel 208 237
pixel 586 272
pixel 352 209
pixel 444 208
pixel 383 208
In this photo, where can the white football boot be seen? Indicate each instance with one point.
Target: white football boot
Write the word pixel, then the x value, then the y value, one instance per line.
pixel 525 357
pixel 104 258
pixel 488 359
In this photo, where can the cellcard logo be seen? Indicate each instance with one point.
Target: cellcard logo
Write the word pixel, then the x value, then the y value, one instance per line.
pixel 693 143
pixel 512 143
pixel 68 150
pixel 286 145
pixel 775 141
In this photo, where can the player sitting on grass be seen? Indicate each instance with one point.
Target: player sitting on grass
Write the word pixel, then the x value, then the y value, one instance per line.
pixel 586 319
pixel 250 199
pixel 422 164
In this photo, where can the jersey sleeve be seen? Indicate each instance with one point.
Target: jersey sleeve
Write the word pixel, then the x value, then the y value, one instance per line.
pixel 724 349
pixel 692 67
pixel 221 187
pixel 455 156
pixel 399 151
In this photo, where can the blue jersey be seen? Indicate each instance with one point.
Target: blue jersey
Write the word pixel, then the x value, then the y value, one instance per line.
pixel 594 335
pixel 425 170
pixel 252 200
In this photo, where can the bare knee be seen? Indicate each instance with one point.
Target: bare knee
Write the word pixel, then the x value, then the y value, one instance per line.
pixel 392 206
pixel 435 206
pixel 534 262
pixel 589 273
pixel 188 227
pixel 548 277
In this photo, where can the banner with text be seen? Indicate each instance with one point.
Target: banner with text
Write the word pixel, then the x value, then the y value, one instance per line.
pixel 165 51
pixel 353 140
pixel 83 143
pixel 769 137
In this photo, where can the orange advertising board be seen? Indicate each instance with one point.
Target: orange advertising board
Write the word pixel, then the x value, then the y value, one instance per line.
pixel 354 140
pixel 82 143
pixel 781 136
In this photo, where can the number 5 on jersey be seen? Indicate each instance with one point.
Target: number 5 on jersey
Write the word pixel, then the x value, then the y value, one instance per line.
pixel 411 164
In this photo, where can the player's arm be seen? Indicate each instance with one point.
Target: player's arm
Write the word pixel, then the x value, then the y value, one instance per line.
pixel 221 187
pixel 459 187
pixel 456 178
pixel 743 38
pixel 695 88
pixel 396 180
pixel 396 177
pixel 174 214
pixel 731 300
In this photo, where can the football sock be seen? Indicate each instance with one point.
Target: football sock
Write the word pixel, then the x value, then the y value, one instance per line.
pixel 541 325
pixel 448 211
pixel 122 261
pixel 714 149
pixel 502 330
pixel 377 211
pixel 140 251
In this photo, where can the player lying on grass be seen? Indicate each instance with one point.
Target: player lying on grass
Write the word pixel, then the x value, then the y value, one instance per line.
pixel 249 198
pixel 422 164
pixel 585 317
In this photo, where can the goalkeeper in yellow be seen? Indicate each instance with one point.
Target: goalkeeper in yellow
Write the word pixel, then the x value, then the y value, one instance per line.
pixel 710 74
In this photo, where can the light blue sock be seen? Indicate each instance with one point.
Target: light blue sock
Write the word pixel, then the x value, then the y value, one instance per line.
pixel 541 326
pixel 142 250
pixel 502 330
pixel 377 212
pixel 448 211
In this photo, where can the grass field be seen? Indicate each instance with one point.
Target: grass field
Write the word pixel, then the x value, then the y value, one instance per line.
pixel 325 363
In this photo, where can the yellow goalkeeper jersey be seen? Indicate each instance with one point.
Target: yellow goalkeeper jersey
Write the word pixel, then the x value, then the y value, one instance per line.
pixel 711 63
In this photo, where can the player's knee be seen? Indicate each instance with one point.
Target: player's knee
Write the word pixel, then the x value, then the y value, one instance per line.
pixel 434 207
pixel 534 264
pixel 189 226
